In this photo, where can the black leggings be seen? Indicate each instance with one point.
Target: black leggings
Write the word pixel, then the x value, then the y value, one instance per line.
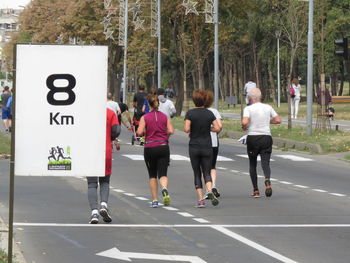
pixel 201 164
pixel 259 144
pixel 215 157
pixel 157 160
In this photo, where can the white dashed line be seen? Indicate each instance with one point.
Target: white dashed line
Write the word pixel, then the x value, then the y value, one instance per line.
pixel 185 214
pixel 170 208
pixel 201 220
pixel 285 182
pixel 129 194
pixel 118 190
pixel 273 179
pixel 320 190
pixel 336 194
pixel 222 168
pixel 245 173
pixel 260 176
pixel 301 186
pixel 224 159
pixel 141 198
pixel 234 171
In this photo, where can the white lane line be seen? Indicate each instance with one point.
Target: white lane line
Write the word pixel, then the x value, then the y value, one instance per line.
pixel 246 156
pixel 201 220
pixel 255 245
pixel 221 168
pixel 170 208
pixel 129 194
pixel 184 225
pixel 134 157
pixel 285 182
pixel 224 159
pixel 245 173
pixel 301 186
pixel 235 171
pixel 141 198
pixel 294 158
pixel 336 194
pixel 118 190
pixel 260 176
pixel 185 214
pixel 320 190
pixel 273 179
pixel 176 157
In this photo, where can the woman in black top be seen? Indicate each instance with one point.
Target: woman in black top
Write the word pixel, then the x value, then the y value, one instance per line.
pixel 198 124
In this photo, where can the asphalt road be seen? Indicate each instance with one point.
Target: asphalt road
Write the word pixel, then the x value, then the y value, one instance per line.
pixel 306 220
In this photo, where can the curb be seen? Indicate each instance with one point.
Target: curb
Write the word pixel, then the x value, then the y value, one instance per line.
pixel 17 253
pixel 279 142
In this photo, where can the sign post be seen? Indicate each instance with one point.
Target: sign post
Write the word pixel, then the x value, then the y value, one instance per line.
pixel 59 113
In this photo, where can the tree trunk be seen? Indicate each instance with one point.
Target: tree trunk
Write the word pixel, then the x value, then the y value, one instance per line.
pixel 200 74
pixel 272 83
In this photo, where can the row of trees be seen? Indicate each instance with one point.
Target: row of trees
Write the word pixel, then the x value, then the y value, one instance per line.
pixel 247 42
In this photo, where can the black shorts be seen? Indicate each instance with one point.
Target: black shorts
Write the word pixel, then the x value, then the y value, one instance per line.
pixel 157 160
pixel 259 144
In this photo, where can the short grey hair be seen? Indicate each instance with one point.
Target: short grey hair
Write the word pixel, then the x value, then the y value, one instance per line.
pixel 255 94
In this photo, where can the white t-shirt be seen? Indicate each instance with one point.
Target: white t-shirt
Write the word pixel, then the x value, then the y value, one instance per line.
pixel 249 86
pixel 114 106
pixel 214 135
pixel 296 90
pixel 259 115
pixel 167 107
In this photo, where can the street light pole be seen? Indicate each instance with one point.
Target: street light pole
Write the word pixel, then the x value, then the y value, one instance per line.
pixel 310 68
pixel 278 35
pixel 216 54
pixel 159 45
pixel 125 71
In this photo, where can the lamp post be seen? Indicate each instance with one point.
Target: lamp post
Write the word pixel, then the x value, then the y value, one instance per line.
pixel 278 36
pixel 159 44
pixel 310 48
pixel 125 72
pixel 216 54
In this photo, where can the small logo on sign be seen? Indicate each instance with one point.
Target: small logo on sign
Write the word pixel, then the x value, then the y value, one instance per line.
pixel 59 159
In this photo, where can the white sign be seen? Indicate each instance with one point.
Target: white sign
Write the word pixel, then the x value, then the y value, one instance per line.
pixel 117 254
pixel 60 118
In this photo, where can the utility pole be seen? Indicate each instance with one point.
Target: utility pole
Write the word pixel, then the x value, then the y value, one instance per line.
pixel 278 36
pixel 125 70
pixel 159 45
pixel 216 54
pixel 310 49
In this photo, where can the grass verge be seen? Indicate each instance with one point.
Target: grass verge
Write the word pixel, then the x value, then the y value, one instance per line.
pixel 330 141
pixel 347 157
pixel 5 145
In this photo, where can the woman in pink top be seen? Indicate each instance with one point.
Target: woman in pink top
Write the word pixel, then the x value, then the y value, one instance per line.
pixel 157 128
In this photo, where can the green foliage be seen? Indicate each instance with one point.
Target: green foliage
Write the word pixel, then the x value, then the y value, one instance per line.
pixel 5 147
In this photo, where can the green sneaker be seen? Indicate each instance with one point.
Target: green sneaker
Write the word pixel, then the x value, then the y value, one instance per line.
pixel 213 199
pixel 166 197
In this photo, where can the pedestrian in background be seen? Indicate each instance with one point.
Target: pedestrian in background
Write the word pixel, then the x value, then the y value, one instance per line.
pixel 214 140
pixel 112 132
pixel 257 119
pixel 199 122
pixel 295 97
pixel 247 88
pixel 157 128
pixel 165 105
pixel 114 106
pixel 6 113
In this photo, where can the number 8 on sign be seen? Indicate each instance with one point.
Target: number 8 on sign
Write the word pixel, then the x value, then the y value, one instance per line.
pixel 53 89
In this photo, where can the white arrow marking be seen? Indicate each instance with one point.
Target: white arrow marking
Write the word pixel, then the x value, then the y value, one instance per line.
pixel 117 254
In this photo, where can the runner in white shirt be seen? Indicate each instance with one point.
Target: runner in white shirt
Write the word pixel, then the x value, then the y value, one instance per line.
pixel 214 140
pixel 247 88
pixel 256 120
pixel 114 106
pixel 165 105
